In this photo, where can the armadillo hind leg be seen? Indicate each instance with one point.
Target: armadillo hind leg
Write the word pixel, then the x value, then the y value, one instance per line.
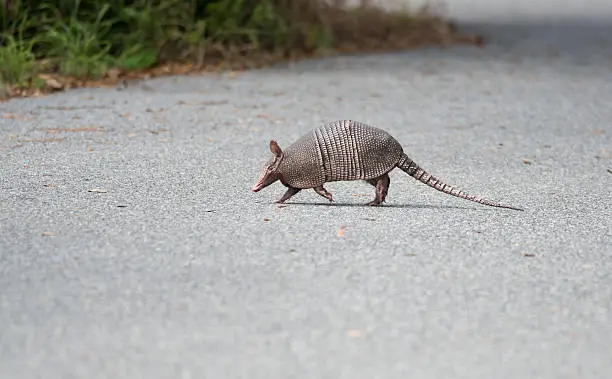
pixel 382 187
pixel 290 192
pixel 323 192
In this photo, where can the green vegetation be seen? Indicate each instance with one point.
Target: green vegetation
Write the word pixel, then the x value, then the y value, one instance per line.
pixel 81 40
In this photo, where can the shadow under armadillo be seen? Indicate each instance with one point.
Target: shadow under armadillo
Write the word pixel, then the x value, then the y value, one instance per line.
pixel 415 206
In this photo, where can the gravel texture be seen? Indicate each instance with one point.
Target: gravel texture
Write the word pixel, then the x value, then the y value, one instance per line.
pixel 178 270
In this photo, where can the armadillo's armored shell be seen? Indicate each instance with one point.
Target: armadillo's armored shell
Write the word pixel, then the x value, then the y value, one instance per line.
pixel 302 165
pixel 340 150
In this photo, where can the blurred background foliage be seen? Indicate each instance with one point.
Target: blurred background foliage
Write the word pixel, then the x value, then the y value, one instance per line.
pixel 85 39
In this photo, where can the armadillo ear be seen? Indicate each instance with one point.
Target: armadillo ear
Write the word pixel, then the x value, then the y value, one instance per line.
pixel 275 149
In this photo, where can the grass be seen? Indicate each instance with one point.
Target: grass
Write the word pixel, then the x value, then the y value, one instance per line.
pixel 56 44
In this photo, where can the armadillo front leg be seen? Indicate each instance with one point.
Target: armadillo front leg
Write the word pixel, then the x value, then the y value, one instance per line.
pixel 382 186
pixel 290 192
pixel 323 192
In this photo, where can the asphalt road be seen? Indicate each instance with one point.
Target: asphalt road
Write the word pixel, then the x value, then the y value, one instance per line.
pixel 173 268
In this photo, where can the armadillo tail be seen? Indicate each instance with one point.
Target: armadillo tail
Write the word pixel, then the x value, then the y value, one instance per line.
pixel 408 166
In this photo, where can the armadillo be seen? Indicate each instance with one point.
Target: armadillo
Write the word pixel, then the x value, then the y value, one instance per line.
pixel 345 150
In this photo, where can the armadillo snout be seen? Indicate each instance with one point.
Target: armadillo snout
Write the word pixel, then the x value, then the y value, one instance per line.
pixel 265 179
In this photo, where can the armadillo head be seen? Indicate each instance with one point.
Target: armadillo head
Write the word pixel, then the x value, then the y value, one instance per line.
pixel 269 173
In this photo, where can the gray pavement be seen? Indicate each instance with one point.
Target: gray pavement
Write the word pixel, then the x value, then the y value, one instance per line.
pixel 177 270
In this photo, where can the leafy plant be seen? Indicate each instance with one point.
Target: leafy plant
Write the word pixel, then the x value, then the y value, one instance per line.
pixel 136 57
pixel 17 59
pixel 81 47
pixel 229 25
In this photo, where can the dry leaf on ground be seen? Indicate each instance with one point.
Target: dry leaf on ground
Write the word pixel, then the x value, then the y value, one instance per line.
pixel 270 117
pixel 89 128
pixel 159 131
pixel 206 102
pixel 43 140
pixel 14 116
